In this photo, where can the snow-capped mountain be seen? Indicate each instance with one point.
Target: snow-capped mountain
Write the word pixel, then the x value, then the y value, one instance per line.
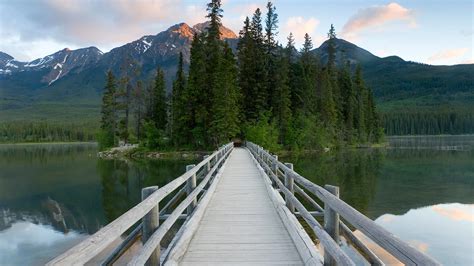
pixel 55 66
pixel 148 52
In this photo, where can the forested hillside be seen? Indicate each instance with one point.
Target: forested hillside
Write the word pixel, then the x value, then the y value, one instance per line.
pixel 265 93
pixel 64 89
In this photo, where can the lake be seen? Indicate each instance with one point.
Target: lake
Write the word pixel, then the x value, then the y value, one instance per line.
pixel 422 189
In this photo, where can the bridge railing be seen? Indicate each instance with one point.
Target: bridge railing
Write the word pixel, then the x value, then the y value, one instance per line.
pixel 148 211
pixel 291 184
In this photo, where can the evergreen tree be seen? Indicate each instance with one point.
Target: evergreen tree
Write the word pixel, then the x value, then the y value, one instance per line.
pixel 138 104
pixel 294 75
pixel 308 66
pixel 159 101
pixel 108 123
pixel 332 72
pixel 282 99
pixel 332 48
pixel 179 115
pixel 360 101
pixel 271 26
pixel 245 49
pixel 271 20
pixel 259 68
pixel 225 109
pixel 198 95
pixel 326 104
pixel 348 101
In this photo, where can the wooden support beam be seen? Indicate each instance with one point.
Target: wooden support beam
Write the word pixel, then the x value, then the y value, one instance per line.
pixel 331 223
pixel 151 222
pixel 190 185
pixel 289 183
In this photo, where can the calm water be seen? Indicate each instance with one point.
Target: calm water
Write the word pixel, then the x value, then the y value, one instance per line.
pixel 52 196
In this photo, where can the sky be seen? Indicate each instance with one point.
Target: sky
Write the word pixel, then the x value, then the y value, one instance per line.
pixel 428 31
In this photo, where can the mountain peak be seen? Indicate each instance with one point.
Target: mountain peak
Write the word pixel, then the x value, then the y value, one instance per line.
pixel 346 51
pixel 182 29
pixel 226 33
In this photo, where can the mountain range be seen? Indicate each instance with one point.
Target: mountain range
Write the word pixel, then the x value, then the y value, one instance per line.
pixel 68 84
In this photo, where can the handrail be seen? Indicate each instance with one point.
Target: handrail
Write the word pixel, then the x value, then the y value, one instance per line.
pixel 94 244
pixel 145 252
pixel 329 244
pixel 392 244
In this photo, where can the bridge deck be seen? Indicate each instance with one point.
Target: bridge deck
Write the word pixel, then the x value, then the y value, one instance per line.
pixel 241 225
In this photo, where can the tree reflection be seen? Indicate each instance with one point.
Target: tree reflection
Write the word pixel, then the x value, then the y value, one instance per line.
pixel 354 171
pixel 122 181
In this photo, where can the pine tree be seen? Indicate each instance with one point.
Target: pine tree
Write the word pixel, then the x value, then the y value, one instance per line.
pixel 197 94
pixel 282 98
pixel 294 75
pixel 271 25
pixel 360 101
pixel 108 123
pixel 179 130
pixel 308 66
pixel 332 73
pixel 259 70
pixel 332 48
pixel 326 104
pixel 159 101
pixel 225 109
pixel 138 103
pixel 348 101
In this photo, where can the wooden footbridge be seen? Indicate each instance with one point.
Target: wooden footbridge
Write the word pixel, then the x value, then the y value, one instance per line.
pixel 240 206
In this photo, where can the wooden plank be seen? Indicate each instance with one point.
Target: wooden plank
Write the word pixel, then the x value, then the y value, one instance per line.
pixel 240 217
pixel 178 248
pixel 301 239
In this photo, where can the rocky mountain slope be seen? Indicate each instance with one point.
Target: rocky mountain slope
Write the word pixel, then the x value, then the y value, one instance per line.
pixel 73 79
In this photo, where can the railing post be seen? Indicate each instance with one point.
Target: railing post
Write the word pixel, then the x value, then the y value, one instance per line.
pixel 190 186
pixel 331 222
pixel 275 165
pixel 289 183
pixel 208 164
pixel 151 221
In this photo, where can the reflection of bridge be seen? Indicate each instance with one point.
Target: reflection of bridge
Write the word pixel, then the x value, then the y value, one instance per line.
pixel 240 206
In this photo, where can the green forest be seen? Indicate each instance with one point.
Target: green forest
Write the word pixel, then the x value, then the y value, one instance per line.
pixel 267 92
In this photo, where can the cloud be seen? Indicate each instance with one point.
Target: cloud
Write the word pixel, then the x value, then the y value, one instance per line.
pixel 375 17
pixel 79 23
pixel 456 212
pixel 448 55
pixel 299 26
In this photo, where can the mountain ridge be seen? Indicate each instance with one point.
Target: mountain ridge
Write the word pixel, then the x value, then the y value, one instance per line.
pixel 77 76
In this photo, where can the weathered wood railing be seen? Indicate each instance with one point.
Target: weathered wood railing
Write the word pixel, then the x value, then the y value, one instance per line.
pixel 151 230
pixel 291 185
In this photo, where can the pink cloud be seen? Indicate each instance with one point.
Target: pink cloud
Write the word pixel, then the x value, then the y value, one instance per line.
pixel 375 17
pixel 459 213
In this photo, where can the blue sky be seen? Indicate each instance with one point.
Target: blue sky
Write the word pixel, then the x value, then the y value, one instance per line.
pixel 433 32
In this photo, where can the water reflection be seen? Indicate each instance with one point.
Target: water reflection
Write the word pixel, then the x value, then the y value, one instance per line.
pixel 64 190
pixel 423 192
pixel 26 243
pixel 443 231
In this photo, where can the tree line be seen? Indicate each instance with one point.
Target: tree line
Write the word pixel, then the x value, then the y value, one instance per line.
pixel 428 123
pixel 266 92
pixel 11 132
